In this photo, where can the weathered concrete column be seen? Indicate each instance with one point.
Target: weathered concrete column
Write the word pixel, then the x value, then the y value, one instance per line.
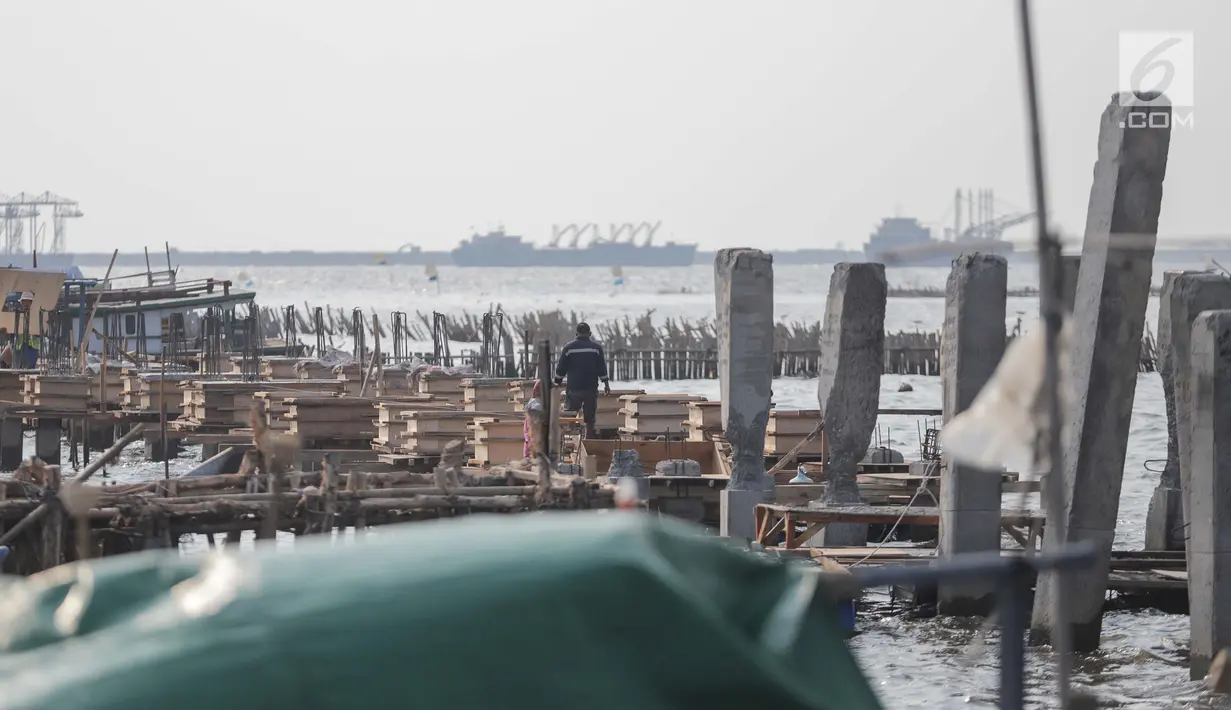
pixel 971 347
pixel 744 306
pixel 101 436
pixel 852 360
pixel 1209 566
pixel 47 441
pixel 1108 318
pixel 11 443
pixel 1184 295
pixel 1070 266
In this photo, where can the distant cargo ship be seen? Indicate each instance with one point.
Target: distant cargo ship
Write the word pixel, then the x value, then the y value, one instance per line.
pixel 902 241
pixel 496 248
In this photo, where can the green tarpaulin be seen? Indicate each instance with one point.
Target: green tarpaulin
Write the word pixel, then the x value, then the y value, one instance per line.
pixel 563 610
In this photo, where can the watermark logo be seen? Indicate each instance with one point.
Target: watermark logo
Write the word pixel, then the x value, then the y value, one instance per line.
pixel 1161 62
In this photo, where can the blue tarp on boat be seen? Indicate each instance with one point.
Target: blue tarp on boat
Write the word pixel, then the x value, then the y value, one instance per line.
pixel 555 610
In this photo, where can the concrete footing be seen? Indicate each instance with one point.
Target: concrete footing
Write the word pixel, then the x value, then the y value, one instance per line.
pixel 47 441
pixel 1209 566
pixel 738 517
pixel 156 449
pixel 1113 290
pixel 1165 520
pixel 848 388
pixel 971 347
pixel 11 443
pixel 100 436
pixel 209 451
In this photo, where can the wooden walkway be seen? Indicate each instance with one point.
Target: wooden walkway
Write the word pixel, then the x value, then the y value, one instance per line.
pixel 773 520
pixel 1132 571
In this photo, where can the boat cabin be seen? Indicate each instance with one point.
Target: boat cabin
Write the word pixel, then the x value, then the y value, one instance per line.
pixel 141 319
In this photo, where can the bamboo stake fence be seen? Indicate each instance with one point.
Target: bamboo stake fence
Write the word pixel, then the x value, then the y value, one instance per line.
pixel 638 348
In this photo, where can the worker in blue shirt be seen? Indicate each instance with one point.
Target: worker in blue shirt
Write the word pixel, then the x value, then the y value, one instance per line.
pixel 583 365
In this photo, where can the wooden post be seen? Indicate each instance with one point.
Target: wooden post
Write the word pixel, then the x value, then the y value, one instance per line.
pixel 546 439
pixel 162 418
pixel 329 492
pixel 94 309
pixel 53 525
pixel 358 481
pixel 269 530
pixel 380 368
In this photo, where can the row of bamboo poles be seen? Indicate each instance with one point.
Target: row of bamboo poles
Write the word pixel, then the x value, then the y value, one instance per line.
pixel 638 348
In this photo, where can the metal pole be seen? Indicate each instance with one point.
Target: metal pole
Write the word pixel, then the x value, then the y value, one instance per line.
pixel 162 417
pixel 1051 315
pixel 1014 617
pixel 546 390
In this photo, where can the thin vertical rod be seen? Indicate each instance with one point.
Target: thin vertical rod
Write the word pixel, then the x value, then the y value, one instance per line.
pixel 1051 315
pixel 1014 599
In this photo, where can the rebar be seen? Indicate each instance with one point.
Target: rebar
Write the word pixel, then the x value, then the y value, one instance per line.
pixel 1050 298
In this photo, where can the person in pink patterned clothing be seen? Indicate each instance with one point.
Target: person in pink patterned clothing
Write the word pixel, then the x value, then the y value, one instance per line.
pixel 533 405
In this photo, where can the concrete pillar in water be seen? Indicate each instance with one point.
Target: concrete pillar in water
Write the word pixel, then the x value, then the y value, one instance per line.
pixel 209 451
pixel 11 443
pixel 1109 317
pixel 1070 265
pixel 47 441
pixel 1209 558
pixel 971 347
pixel 744 306
pixel 852 359
pixel 1184 295
pixel 101 436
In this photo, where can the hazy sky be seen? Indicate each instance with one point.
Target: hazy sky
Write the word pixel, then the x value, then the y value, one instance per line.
pixel 366 125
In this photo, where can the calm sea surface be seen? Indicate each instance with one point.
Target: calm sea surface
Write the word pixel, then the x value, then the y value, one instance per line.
pixel 913 664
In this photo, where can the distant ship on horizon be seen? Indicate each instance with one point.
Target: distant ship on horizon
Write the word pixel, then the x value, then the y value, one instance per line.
pixel 903 241
pixel 497 248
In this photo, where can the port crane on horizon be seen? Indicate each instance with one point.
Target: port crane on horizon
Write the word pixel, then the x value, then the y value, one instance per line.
pixel 613 235
pixel 982 220
pixel 23 209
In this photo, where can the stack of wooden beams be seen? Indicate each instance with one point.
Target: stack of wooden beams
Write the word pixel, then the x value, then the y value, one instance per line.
pixel 276 408
pixel 393 382
pixel 427 431
pixel 651 415
pixel 62 392
pixel 497 440
pixel 225 404
pixel 309 369
pixel 898 489
pixel 331 418
pixel 107 385
pixel 391 427
pixel 279 367
pixel 788 427
pixel 520 392
pixel 704 421
pixel 143 391
pixel 607 414
pixel 12 385
pixel 443 385
pixel 351 376
pixel 487 394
